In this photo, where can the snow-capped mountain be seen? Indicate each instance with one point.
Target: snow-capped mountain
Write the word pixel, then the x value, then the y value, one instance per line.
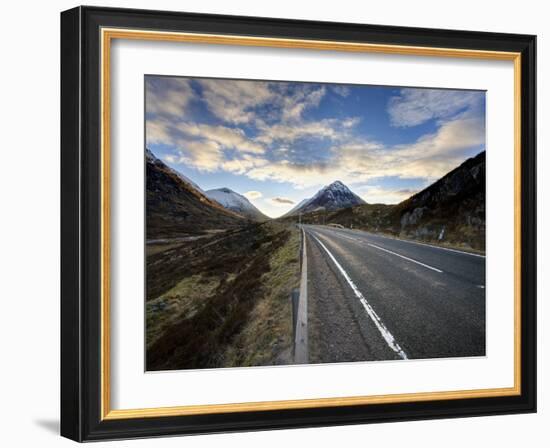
pixel 236 203
pixel 332 197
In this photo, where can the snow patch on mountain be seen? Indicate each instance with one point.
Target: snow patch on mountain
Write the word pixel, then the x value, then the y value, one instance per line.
pixel 332 197
pixel 236 202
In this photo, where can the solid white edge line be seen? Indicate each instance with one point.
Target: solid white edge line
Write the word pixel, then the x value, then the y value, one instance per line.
pixel 405 258
pixel 388 337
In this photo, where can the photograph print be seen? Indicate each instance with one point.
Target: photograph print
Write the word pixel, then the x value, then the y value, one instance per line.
pixel 304 223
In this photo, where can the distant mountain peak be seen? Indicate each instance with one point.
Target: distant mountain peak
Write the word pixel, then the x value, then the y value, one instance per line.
pixel 332 197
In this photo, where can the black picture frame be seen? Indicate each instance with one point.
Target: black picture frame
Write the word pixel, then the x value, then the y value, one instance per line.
pixel 81 224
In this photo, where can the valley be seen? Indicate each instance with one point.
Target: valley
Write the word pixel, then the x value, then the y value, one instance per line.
pixel 220 273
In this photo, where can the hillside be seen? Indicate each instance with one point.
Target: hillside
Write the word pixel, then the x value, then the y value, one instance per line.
pixel 176 207
pixel 449 211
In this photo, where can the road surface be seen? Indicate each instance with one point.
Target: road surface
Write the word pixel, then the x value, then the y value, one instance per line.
pixel 372 297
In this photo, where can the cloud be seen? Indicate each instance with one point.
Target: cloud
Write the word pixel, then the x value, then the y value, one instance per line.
pixel 204 155
pixel 253 194
pixel 431 156
pixel 241 102
pixel 360 160
pixel 350 122
pixel 167 96
pixel 272 113
pixel 242 165
pixel 375 194
pixel 281 201
pixel 171 158
pixel 207 155
pixel 158 131
pixel 234 101
pixel 289 133
pixel 343 91
pixel 203 146
pixel 298 174
pixel 233 138
pixel 303 97
pixel 286 133
pixel 416 106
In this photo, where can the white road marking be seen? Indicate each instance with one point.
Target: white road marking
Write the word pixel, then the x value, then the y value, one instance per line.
pixel 346 237
pixel 448 249
pixel 389 251
pixel 388 337
pixel 481 286
pixel 405 258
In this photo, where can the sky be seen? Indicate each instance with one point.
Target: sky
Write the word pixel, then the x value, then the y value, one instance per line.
pixel 280 142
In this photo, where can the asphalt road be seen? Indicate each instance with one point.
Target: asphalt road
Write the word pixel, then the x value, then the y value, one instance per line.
pixel 372 297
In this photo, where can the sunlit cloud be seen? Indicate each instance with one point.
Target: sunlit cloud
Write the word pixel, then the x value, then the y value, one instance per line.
pixel 253 195
pixel 204 155
pixel 376 194
pixel 171 158
pixel 233 138
pixel 242 165
pixel 202 146
pixel 416 106
pixel 235 101
pixel 431 156
pixel 321 129
pixel 158 131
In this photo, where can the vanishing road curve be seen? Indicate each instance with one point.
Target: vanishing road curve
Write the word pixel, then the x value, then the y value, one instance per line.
pixel 372 297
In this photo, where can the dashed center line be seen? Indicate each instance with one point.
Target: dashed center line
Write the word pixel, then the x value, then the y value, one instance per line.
pixel 405 258
pixel 388 337
pixel 390 252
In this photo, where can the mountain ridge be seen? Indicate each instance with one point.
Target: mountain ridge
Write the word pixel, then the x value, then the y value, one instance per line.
pixel 329 198
pixel 177 207
pixel 236 202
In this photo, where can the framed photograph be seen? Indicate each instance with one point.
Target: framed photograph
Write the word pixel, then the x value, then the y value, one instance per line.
pixel 273 223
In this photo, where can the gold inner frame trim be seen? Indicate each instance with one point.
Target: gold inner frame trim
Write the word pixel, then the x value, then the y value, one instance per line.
pixel 107 35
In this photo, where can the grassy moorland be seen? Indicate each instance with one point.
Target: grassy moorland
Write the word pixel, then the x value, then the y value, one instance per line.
pixel 222 300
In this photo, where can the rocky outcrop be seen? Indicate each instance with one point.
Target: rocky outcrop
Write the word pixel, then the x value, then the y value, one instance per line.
pixel 450 210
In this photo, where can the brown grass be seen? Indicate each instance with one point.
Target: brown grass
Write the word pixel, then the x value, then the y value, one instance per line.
pixel 266 338
pixel 240 313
